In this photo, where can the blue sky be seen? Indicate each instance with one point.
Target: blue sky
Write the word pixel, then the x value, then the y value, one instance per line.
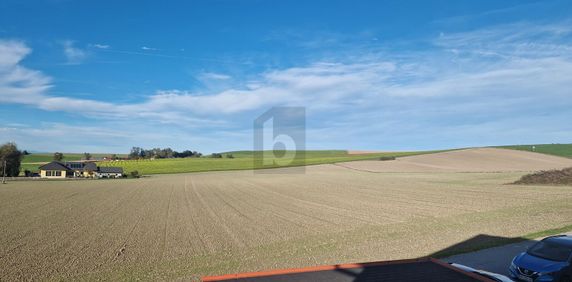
pixel 103 76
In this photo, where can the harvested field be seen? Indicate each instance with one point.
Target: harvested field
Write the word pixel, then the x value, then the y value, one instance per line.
pixel 188 225
pixel 468 160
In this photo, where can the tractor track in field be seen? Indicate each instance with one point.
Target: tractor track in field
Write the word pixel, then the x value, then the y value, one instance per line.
pixel 339 211
pixel 166 224
pixel 294 210
pixel 191 217
pixel 271 210
pixel 237 200
pixel 216 217
pixel 123 247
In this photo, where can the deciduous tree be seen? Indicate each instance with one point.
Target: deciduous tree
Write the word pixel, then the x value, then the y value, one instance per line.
pixel 12 158
pixel 58 156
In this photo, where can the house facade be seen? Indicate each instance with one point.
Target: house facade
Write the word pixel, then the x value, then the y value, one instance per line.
pixel 57 169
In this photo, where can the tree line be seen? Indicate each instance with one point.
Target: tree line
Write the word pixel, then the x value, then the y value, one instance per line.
pixel 161 153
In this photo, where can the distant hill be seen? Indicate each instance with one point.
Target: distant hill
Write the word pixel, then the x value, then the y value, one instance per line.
pixel 562 150
pixel 244 160
pixel 309 153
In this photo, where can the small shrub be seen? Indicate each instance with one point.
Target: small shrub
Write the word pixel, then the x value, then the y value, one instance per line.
pixel 134 174
pixel 229 156
pixel 388 158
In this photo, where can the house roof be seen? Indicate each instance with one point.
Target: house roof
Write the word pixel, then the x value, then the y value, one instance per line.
pixel 110 169
pixel 90 166
pixel 388 271
pixel 55 165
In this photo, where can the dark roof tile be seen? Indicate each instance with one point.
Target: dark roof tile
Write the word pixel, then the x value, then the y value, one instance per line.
pixel 55 165
pixel 110 169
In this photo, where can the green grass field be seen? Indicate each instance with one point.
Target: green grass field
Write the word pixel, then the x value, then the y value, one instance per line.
pixel 562 150
pixel 242 160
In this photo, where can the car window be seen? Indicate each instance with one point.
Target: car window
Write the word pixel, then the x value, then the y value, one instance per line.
pixel 550 251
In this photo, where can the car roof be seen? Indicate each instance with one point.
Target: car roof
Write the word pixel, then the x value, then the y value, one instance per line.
pixel 560 240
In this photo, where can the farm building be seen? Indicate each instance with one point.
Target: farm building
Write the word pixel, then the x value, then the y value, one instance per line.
pixel 57 169
pixel 110 172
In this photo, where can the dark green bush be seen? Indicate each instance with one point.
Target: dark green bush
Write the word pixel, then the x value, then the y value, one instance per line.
pixel 389 158
pixel 134 174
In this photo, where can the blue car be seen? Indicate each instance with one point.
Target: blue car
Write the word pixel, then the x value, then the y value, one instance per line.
pixel 547 260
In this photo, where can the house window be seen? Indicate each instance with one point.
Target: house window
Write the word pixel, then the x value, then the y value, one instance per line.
pixel 58 173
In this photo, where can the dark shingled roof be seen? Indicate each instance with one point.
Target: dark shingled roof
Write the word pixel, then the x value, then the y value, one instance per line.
pixel 90 167
pixel 110 169
pixel 426 270
pixel 54 166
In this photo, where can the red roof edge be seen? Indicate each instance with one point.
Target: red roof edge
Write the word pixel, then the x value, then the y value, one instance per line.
pixel 334 267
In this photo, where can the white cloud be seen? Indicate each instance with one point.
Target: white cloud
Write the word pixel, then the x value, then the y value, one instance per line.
pixel 17 83
pixel 73 54
pixel 468 80
pixel 100 46
pixel 148 48
pixel 213 76
pixel 12 52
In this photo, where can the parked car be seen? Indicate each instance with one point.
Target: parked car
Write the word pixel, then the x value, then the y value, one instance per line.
pixel 493 276
pixel 547 260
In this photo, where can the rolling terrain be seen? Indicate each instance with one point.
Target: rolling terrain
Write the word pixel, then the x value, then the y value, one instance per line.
pixel 562 150
pixel 243 160
pixel 467 160
pixel 183 226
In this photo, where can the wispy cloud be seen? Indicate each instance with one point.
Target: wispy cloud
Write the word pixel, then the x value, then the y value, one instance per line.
pixel 17 83
pixel 100 46
pixel 73 54
pixel 485 80
pixel 213 76
pixel 148 48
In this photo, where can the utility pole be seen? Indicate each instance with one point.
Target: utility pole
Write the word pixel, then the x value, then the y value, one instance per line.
pixel 4 172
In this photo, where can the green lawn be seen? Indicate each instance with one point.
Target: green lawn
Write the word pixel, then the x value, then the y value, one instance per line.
pixel 562 150
pixel 242 160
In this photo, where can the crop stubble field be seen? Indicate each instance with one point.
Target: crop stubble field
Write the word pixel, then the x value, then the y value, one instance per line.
pixel 188 225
